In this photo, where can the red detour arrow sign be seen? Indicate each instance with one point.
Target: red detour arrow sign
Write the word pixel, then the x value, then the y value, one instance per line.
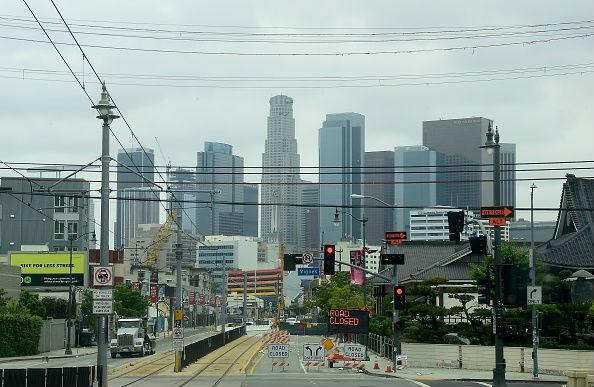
pixel 497 212
pixel 102 276
pixel 395 235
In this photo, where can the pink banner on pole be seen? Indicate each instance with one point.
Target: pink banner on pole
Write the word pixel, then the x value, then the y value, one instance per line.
pixel 357 276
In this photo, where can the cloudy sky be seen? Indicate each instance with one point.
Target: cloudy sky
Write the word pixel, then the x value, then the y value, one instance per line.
pixel 546 112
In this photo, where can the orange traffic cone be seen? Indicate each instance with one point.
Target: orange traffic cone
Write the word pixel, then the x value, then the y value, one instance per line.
pixel 376 365
pixel 389 367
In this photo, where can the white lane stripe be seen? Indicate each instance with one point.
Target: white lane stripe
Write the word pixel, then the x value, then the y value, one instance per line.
pixel 484 384
pixel 418 383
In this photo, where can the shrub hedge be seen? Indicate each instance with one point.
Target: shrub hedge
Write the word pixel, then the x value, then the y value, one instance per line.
pixel 19 334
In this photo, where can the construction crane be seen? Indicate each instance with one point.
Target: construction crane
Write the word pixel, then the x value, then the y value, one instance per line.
pixel 162 235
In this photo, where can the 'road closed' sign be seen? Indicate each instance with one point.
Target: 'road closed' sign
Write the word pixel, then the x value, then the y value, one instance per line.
pixel 278 350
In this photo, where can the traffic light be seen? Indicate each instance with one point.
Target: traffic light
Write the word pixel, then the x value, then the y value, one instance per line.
pixel 291 260
pixel 478 244
pixel 484 289
pixel 329 259
pixel 455 224
pixel 514 281
pixel 399 297
pixel 399 326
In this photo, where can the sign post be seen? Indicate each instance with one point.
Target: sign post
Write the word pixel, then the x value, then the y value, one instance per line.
pixel 534 295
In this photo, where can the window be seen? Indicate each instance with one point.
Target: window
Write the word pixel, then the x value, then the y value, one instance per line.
pixel 72 204
pixel 72 230
pixel 59 228
pixel 59 204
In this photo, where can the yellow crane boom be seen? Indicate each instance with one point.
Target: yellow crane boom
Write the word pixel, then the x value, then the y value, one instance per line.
pixel 162 235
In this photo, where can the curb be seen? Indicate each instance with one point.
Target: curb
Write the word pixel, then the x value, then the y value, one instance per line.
pixel 389 376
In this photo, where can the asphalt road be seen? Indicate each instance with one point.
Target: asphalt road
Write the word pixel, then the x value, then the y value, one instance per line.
pixel 163 345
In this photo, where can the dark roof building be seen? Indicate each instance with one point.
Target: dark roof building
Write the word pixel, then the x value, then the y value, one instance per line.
pixel 572 245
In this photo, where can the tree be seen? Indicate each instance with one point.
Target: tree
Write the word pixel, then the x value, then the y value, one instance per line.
pixel 55 307
pixel 4 299
pixel 338 293
pixel 129 302
pixel 32 303
pixel 86 310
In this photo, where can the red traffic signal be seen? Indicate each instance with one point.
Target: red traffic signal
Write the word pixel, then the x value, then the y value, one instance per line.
pixel 399 326
pixel 329 249
pixel 399 297
pixel 329 259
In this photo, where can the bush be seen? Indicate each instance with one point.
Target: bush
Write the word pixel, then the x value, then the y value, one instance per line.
pixel 19 334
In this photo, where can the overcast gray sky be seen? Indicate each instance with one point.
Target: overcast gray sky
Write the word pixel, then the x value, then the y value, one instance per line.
pixel 549 118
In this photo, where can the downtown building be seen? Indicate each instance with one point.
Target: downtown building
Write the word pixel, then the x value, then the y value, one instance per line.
pixel 280 220
pixel 219 174
pixel 341 150
pixel 182 183
pixel 133 188
pixel 68 213
pixel 378 177
pixel 310 218
pixel 465 163
pixel 415 173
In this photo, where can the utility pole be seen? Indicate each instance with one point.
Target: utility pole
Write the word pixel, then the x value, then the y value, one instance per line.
pixel 533 278
pixel 224 311
pixel 178 286
pixel 395 317
pixel 104 107
pixel 499 370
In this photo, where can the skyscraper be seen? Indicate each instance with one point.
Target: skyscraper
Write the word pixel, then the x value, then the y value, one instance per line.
pixel 250 212
pixel 280 176
pixel 341 144
pixel 379 173
pixel 143 163
pixel 182 183
pixel 460 141
pixel 412 166
pixel 219 170
pixel 310 195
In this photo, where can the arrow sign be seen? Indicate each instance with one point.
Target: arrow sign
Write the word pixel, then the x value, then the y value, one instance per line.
pixel 497 212
pixel 534 295
pixel 395 235
pixel 313 352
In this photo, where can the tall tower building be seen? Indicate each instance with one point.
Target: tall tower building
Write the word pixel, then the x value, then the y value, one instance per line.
pixel 379 173
pixel 310 195
pixel 280 176
pixel 460 141
pixel 412 166
pixel 182 183
pixel 219 170
pixel 143 163
pixel 341 144
pixel 250 212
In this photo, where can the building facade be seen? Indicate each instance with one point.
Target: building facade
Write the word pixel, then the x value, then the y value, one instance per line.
pixel 250 211
pixel 220 172
pixel 138 206
pixel 379 173
pixel 238 252
pixel 142 163
pixel 310 196
pixel 413 166
pixel 183 185
pixel 21 224
pixel 280 218
pixel 341 150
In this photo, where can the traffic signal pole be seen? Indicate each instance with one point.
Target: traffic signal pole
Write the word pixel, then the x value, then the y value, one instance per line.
pixel 395 318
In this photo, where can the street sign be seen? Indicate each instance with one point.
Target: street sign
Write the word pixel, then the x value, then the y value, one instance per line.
pixel 328 343
pixel 102 276
pixel 354 351
pixel 497 212
pixel 392 259
pixel 307 258
pixel 534 295
pixel 278 351
pixel 178 345
pixel 102 294
pixel 396 235
pixel 178 333
pixel 348 321
pixel 102 306
pixel 497 221
pixel 306 271
pixel 313 352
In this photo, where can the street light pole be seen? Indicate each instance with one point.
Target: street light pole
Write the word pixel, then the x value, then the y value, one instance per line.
pixel 499 370
pixel 68 350
pixel 104 107
pixel 533 278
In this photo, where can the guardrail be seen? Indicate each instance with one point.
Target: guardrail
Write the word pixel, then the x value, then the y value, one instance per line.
pixel 200 348
pixel 48 377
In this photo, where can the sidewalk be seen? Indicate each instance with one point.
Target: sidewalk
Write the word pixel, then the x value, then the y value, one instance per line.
pixel 449 373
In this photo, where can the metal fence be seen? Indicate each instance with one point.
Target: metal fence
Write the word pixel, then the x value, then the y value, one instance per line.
pixel 200 348
pixel 379 344
pixel 318 329
pixel 48 377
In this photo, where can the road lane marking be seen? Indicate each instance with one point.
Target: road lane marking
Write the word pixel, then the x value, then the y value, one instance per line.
pixel 418 383
pixel 484 384
pixel 256 364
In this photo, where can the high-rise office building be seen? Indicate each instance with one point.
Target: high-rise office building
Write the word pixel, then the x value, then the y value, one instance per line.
pixel 460 141
pixel 220 172
pixel 183 186
pixel 341 150
pixel 142 163
pixel 413 165
pixel 378 175
pixel 250 212
pixel 310 196
pixel 138 207
pixel 280 176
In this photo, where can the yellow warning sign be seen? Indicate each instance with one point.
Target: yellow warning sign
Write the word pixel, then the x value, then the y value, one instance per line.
pixel 178 315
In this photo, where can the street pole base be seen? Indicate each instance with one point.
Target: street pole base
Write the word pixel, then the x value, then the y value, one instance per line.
pixel 68 352
pixel 499 377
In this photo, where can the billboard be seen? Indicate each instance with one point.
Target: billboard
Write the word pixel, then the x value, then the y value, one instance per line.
pixel 49 270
